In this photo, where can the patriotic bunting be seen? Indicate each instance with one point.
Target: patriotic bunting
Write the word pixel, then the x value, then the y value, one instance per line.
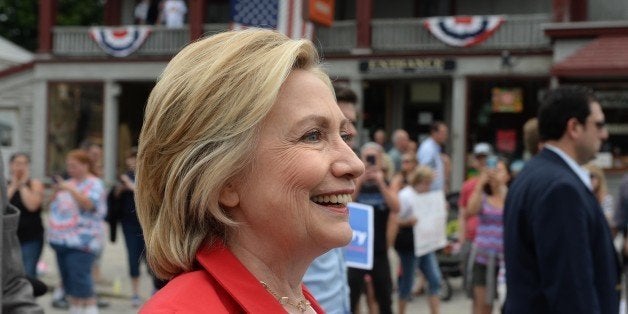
pixel 119 41
pixel 463 31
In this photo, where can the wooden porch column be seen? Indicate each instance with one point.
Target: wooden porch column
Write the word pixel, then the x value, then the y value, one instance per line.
pixel 113 10
pixel 579 10
pixel 47 20
pixel 364 13
pixel 562 10
pixel 196 18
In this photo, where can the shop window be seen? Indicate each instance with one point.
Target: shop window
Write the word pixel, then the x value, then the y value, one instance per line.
pixel 75 117
pixel 498 109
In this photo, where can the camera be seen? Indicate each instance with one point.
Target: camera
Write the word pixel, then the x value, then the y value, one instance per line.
pixel 491 161
pixel 370 160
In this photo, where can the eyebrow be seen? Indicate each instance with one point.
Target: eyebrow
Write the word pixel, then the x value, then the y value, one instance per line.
pixel 318 119
pixel 323 120
pixel 346 121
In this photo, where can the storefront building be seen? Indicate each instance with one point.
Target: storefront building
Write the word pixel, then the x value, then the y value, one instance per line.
pixel 594 54
pixel 405 75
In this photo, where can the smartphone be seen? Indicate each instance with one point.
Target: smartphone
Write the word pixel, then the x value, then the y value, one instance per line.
pixel 491 162
pixel 370 159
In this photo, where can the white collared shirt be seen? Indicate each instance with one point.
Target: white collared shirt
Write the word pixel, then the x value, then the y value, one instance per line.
pixel 582 172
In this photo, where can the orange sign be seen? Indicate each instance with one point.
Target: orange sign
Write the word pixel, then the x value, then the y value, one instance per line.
pixel 321 12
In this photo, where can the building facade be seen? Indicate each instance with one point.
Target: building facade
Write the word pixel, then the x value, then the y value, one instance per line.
pixel 405 76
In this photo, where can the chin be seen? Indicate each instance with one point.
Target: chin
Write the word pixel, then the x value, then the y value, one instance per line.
pixel 344 235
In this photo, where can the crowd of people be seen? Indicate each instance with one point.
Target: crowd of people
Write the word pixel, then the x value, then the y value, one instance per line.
pixel 78 204
pixel 244 174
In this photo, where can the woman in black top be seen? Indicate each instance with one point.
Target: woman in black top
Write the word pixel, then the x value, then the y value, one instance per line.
pixel 27 195
pixel 134 239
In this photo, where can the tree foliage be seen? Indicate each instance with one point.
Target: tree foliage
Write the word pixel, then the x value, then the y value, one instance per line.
pixel 18 18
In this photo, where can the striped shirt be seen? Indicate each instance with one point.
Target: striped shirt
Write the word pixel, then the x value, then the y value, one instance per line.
pixel 489 237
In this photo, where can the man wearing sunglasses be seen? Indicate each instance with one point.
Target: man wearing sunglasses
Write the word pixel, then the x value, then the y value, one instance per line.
pixel 558 248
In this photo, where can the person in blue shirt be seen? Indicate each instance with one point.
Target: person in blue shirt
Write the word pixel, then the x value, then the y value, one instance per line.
pixel 429 153
pixel 327 275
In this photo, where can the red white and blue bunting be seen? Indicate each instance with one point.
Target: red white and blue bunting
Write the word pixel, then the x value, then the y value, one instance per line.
pixel 463 31
pixel 119 41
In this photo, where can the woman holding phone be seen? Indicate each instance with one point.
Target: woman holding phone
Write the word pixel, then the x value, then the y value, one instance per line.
pixel 27 194
pixel 487 201
pixel 373 189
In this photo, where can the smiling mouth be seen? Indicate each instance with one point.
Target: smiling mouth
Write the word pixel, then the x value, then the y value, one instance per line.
pixel 332 200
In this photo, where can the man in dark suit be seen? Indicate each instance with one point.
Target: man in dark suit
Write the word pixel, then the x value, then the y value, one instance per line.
pixel 558 248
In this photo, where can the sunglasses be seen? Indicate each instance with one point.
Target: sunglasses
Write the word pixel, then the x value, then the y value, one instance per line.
pixel 600 124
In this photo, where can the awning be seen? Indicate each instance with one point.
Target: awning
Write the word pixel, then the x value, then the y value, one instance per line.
pixel 604 56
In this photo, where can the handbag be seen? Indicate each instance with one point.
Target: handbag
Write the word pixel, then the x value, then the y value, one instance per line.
pixel 16 293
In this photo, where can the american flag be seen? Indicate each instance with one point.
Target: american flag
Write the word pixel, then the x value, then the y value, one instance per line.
pixel 286 16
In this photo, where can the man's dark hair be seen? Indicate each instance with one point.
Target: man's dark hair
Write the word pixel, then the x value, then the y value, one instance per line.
pixel 345 94
pixel 435 126
pixel 560 105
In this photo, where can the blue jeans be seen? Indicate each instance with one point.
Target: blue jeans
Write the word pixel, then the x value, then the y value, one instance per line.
pixel 428 264
pixel 406 279
pixel 75 267
pixel 31 251
pixel 134 240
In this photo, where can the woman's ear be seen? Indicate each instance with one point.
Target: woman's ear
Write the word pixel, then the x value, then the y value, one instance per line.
pixel 229 196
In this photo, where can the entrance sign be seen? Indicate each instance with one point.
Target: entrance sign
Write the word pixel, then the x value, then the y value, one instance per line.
pixel 407 65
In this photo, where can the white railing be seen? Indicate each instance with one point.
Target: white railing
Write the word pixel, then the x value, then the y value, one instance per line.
pixel 517 32
pixel 340 37
pixel 75 41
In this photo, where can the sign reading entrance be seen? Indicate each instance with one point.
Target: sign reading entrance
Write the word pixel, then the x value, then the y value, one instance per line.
pixel 407 65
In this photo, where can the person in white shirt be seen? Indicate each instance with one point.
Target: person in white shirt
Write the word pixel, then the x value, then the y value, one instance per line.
pixel 173 13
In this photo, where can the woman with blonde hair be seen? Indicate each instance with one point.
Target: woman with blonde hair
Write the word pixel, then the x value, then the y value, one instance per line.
pixel 600 190
pixel 419 181
pixel 243 175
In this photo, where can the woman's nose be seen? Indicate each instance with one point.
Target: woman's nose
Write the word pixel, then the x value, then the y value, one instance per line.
pixel 347 163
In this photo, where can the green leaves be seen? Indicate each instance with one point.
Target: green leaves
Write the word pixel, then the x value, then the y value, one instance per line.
pixel 19 18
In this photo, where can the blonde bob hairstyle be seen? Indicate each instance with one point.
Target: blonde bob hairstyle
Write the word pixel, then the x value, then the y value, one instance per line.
pixel 200 132
pixel 420 174
pixel 601 190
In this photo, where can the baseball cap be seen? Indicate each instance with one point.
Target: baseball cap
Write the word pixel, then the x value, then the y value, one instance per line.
pixel 482 149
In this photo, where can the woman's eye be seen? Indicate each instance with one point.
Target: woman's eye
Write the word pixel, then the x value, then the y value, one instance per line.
pixel 312 136
pixel 347 137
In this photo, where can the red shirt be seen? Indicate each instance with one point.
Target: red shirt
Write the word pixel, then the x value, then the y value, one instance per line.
pixel 471 223
pixel 222 285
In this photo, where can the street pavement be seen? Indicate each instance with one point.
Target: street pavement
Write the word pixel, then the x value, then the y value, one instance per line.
pixel 116 288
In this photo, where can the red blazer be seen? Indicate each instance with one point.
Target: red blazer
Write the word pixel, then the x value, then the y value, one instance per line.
pixel 222 285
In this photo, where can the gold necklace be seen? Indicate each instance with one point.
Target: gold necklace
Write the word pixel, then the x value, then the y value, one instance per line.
pixel 301 305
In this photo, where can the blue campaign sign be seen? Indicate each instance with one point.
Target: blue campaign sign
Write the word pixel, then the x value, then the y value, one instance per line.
pixel 359 253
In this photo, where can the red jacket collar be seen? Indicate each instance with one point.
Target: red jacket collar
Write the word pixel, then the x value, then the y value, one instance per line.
pixel 245 289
